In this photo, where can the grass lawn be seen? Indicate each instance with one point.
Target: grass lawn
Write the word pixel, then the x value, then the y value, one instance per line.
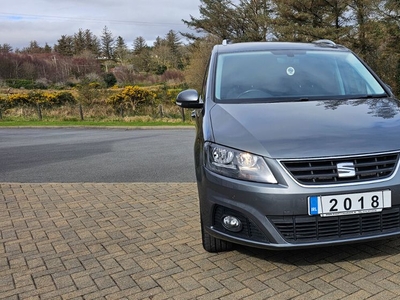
pixel 92 123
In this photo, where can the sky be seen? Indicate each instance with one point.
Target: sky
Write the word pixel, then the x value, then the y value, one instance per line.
pixel 45 21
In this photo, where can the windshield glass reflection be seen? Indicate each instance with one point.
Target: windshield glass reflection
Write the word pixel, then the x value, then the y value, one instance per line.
pixel 290 75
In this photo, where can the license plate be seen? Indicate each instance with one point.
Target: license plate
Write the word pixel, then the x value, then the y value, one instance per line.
pixel 337 205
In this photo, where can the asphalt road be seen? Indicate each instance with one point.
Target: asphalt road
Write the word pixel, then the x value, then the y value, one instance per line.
pixel 96 155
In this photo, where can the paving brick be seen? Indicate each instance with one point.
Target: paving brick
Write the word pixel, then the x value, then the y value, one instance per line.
pixel 83 281
pixel 357 296
pixel 312 294
pixel 366 285
pixel 58 293
pixel 215 294
pixel 384 295
pixel 142 241
pixel 189 283
pixel 300 286
pixel 261 295
pixel 238 294
pixel 317 273
pixel 277 285
pixel 390 286
pixel 289 294
pixel 337 294
pixel 63 281
pixel 345 286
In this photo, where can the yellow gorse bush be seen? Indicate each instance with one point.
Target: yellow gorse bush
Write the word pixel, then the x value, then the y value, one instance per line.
pixel 46 98
pixel 172 94
pixel 131 97
pixel 18 99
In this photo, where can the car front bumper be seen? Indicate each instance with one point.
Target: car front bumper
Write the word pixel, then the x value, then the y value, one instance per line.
pixel 276 216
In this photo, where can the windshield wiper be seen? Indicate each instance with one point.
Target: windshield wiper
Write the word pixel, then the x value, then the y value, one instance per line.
pixel 369 96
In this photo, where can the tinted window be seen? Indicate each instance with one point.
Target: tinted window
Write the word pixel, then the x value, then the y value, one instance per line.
pixel 292 74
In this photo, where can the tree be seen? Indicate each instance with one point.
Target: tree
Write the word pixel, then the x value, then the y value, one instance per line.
pixel 121 50
pixel 158 42
pixel 310 20
pixel 144 61
pixel 249 20
pixel 215 18
pixel 168 53
pixel 6 48
pixel 363 19
pixel 199 55
pixel 255 19
pixel 33 48
pixel 92 43
pixel 173 42
pixel 142 58
pixel 139 44
pixel 65 45
pixel 47 48
pixel 107 43
pixel 386 37
pixel 79 42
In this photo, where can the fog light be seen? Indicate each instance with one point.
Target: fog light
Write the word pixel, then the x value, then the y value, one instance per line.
pixel 232 223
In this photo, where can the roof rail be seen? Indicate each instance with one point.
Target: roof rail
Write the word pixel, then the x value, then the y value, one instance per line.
pixel 328 43
pixel 226 42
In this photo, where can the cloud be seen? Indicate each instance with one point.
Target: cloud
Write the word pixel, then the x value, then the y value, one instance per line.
pixel 45 21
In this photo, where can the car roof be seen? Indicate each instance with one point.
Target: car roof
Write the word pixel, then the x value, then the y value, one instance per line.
pixel 259 46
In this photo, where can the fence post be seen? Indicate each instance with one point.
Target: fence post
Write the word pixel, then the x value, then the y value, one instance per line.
pixel 39 111
pixel 121 111
pixel 183 114
pixel 81 111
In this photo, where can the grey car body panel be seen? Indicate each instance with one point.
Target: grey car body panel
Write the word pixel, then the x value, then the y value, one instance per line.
pixel 308 129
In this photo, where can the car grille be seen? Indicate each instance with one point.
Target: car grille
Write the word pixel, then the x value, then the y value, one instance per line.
pixel 315 228
pixel 324 171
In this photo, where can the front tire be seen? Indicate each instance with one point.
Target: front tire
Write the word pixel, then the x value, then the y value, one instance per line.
pixel 212 244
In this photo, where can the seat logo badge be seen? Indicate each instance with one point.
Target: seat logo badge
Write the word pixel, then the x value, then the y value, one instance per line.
pixel 346 169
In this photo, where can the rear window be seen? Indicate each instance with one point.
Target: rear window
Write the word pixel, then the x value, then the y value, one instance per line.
pixel 293 74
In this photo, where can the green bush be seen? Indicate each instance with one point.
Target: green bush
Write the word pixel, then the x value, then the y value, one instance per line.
pixel 110 79
pixel 25 84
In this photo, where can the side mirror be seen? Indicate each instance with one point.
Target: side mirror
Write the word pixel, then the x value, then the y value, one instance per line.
pixel 188 99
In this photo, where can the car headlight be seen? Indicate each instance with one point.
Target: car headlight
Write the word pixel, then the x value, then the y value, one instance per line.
pixel 238 164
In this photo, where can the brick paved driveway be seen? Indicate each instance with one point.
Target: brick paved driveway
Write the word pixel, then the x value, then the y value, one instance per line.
pixel 142 241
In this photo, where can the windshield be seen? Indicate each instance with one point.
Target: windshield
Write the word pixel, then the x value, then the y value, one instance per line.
pixel 291 74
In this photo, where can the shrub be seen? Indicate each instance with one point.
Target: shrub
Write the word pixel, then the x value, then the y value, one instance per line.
pixel 46 99
pixel 172 94
pixel 131 98
pixel 25 84
pixel 19 99
pixel 110 79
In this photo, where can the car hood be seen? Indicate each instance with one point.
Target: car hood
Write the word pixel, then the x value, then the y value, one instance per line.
pixel 308 128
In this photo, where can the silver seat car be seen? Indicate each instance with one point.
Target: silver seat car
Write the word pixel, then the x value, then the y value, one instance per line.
pixel 297 146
